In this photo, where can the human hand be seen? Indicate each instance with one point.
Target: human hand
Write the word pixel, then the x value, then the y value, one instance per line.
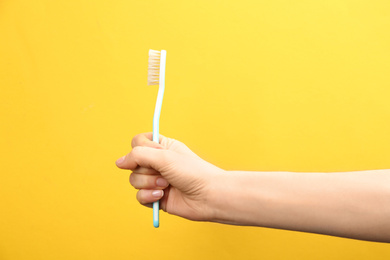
pixel 172 173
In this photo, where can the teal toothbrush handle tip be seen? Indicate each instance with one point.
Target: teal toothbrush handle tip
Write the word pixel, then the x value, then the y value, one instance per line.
pixel 156 217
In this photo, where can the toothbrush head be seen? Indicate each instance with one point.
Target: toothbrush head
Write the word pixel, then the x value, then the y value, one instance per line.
pixel 154 67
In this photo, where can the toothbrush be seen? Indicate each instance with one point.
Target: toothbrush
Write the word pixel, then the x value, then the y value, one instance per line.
pixel 156 76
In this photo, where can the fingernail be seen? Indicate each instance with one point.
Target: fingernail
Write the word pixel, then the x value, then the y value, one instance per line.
pixel 161 182
pixel 120 160
pixel 157 193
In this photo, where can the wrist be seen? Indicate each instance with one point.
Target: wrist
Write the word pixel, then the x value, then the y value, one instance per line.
pixel 214 196
pixel 247 198
pixel 223 198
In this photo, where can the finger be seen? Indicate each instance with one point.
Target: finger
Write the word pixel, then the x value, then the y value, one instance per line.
pixel 150 182
pixel 125 162
pixel 144 157
pixel 164 200
pixel 145 139
pixel 129 161
pixel 146 171
pixel 149 205
pixel 149 196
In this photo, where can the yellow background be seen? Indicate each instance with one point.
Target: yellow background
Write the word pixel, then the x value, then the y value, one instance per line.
pixel 251 85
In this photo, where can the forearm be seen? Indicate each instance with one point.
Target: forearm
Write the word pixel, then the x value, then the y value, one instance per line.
pixel 349 204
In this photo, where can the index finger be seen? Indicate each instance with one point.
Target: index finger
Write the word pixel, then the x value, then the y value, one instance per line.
pixel 145 139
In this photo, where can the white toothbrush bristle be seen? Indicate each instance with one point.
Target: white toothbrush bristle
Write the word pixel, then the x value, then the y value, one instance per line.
pixel 154 67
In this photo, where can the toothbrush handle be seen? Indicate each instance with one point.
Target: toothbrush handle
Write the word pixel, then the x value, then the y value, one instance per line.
pixel 156 205
pixel 156 138
pixel 156 217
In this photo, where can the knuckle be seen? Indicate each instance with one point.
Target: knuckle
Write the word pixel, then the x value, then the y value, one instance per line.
pixel 141 197
pixel 131 179
pixel 136 151
pixel 140 140
pixel 136 140
pixel 140 181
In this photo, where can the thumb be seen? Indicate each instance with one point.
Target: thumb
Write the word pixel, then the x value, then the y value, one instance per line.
pixel 142 156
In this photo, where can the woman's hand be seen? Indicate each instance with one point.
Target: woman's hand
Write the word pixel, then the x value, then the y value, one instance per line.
pixel 172 173
pixel 345 204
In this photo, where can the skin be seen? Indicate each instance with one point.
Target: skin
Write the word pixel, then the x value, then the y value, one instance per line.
pixel 346 204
